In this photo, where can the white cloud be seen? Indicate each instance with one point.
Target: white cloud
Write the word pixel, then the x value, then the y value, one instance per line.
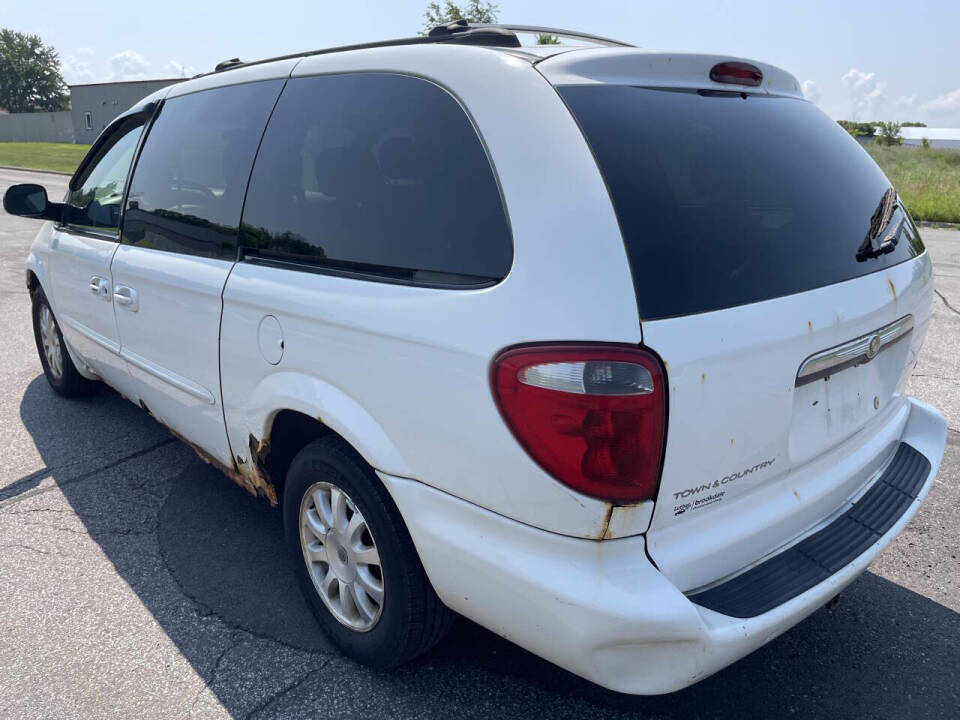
pixel 858 80
pixel 811 90
pixel 76 71
pixel 176 70
pixel 84 67
pixel 129 65
pixel 946 107
pixel 864 97
pixel 868 96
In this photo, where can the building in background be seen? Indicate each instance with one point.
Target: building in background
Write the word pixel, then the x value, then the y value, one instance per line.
pixel 938 137
pixel 93 106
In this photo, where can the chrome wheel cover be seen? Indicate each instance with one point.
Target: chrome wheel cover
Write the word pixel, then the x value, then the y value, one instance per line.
pixel 50 341
pixel 341 556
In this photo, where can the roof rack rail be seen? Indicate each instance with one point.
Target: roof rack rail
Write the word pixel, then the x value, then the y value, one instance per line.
pixel 459 32
pixel 227 64
pixel 487 36
pixel 572 34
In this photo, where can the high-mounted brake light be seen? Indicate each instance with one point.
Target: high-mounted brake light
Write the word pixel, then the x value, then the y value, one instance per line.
pixel 591 415
pixel 736 73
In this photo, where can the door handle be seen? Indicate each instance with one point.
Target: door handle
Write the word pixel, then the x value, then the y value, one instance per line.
pixel 126 296
pixel 100 286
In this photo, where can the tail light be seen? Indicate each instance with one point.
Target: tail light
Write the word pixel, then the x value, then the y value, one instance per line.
pixel 592 416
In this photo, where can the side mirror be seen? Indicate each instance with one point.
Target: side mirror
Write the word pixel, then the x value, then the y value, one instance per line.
pixel 29 200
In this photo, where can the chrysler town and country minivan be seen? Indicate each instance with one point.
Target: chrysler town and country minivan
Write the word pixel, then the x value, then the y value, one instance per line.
pixel 603 348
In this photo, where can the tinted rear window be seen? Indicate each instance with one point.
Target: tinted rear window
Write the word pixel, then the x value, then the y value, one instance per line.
pixel 724 201
pixel 376 174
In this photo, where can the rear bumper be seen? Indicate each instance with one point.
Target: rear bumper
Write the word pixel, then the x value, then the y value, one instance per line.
pixel 600 608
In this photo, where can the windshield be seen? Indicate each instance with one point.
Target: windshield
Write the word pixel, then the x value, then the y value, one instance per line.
pixel 725 200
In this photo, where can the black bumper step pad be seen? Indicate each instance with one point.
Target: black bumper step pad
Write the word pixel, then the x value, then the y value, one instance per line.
pixel 817 557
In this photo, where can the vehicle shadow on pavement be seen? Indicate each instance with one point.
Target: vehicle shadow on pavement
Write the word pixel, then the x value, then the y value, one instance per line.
pixel 207 560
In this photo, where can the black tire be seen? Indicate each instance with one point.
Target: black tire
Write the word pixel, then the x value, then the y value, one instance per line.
pixel 69 383
pixel 412 619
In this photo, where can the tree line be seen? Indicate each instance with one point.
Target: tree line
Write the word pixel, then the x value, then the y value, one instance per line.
pixel 882 133
pixel 474 11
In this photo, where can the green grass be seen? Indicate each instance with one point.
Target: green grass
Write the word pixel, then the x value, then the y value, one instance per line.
pixel 927 180
pixel 63 157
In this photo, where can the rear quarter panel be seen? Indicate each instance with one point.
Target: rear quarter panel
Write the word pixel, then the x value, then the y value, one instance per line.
pixel 403 372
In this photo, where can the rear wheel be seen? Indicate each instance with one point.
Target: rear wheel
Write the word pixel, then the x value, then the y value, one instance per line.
pixel 58 367
pixel 355 560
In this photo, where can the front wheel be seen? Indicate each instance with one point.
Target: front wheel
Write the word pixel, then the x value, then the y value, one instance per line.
pixel 58 367
pixel 355 560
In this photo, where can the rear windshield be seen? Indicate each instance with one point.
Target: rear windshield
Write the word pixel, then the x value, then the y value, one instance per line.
pixel 725 200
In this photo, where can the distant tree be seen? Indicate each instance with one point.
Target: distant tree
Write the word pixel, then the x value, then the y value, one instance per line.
pixel 858 129
pixel 474 11
pixel 30 77
pixel 924 143
pixel 913 124
pixel 547 39
pixel 889 134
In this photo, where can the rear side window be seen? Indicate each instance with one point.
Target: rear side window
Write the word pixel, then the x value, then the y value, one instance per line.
pixel 380 175
pixel 725 200
pixel 187 189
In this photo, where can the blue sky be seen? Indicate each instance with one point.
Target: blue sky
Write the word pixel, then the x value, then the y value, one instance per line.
pixel 859 60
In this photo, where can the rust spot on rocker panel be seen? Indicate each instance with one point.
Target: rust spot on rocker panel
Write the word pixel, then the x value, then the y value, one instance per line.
pixel 253 482
pixel 255 474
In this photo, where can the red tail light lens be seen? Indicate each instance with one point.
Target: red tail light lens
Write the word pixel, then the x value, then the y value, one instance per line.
pixel 736 73
pixel 591 415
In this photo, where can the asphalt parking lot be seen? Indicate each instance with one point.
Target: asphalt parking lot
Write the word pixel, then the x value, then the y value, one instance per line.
pixel 136 581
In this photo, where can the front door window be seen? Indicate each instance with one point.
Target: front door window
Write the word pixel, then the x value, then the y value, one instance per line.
pixel 97 201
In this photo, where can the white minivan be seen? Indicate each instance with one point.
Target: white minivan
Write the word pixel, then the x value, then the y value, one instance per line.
pixel 600 347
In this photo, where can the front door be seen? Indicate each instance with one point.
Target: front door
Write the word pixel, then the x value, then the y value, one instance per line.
pixel 82 248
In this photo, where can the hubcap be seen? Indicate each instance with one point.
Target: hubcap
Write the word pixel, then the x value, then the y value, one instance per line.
pixel 341 556
pixel 51 342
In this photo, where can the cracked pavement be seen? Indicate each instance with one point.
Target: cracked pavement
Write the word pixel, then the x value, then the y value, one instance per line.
pixel 135 580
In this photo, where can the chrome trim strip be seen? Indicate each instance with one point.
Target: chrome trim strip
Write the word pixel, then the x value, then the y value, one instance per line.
pixel 855 352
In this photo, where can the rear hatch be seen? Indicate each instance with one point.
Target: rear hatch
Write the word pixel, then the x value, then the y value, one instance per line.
pixel 779 279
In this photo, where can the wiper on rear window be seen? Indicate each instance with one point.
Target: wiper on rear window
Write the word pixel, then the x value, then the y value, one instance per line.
pixel 879 222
